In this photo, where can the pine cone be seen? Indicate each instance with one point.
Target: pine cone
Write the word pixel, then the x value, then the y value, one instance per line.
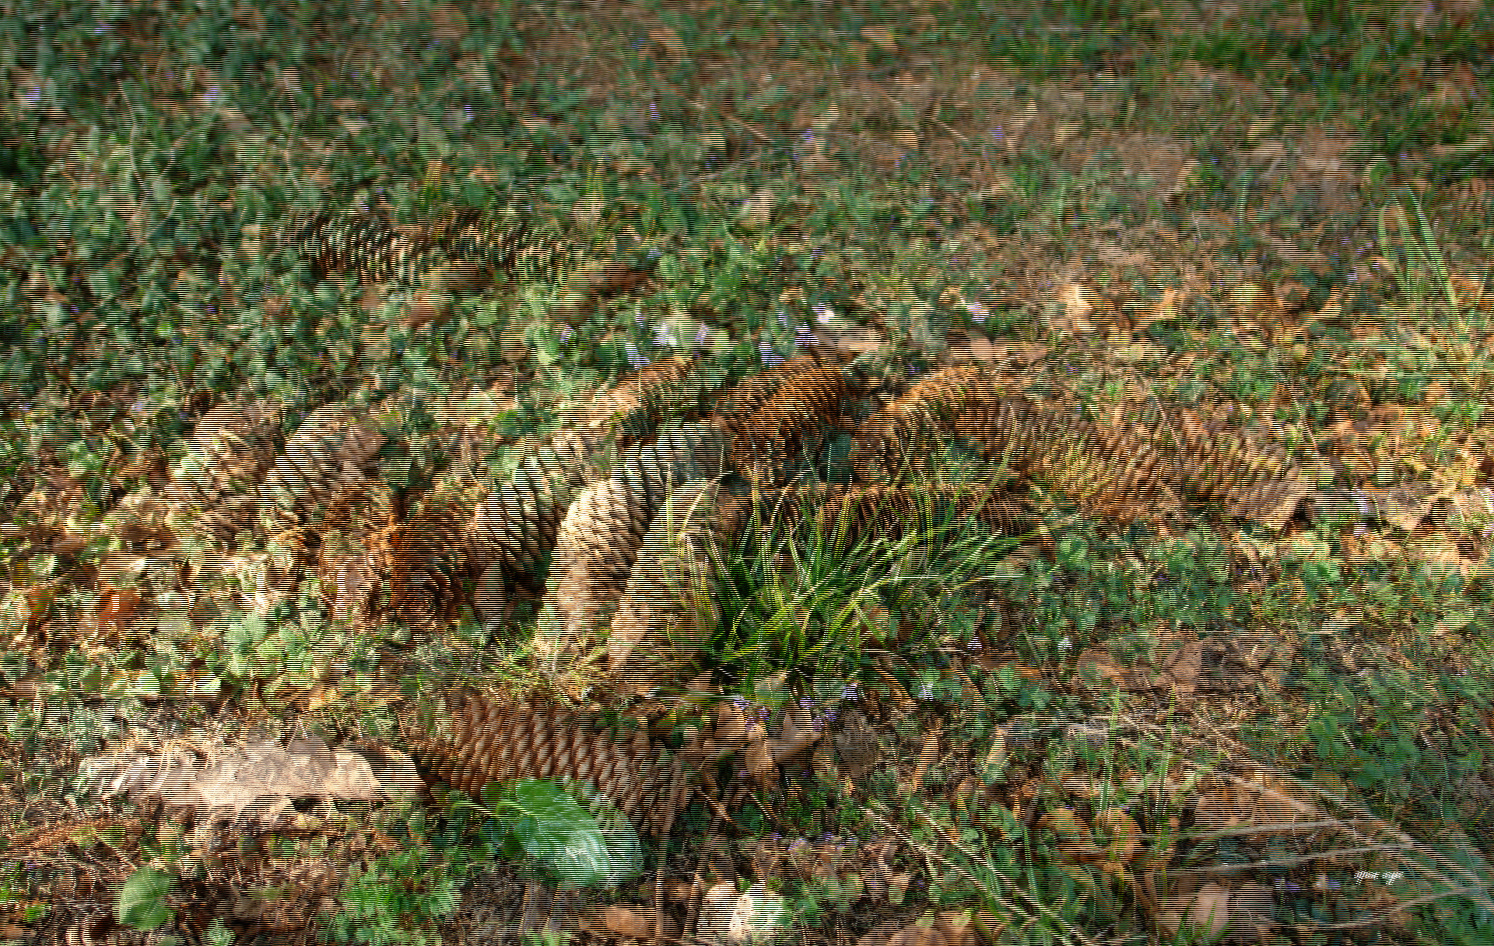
pixel 468 741
pixel 594 554
pixel 230 449
pixel 1217 464
pixel 426 566
pixel 361 244
pixel 739 404
pixel 1105 471
pixel 330 454
pixel 516 525
pixel 790 422
pixel 861 512
pixel 906 431
pixel 668 609
pixel 598 541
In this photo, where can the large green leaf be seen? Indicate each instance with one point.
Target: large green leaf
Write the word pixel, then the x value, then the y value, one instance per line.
pixel 567 840
pixel 142 900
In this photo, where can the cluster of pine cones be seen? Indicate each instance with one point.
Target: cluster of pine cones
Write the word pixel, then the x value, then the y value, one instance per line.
pixel 636 496
pixel 648 481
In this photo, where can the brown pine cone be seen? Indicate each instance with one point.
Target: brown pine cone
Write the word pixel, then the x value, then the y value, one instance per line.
pixel 469 741
pixel 214 485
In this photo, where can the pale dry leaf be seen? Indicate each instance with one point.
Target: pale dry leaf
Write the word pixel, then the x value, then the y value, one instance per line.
pixel 880 37
pixel 757 210
pixel 252 787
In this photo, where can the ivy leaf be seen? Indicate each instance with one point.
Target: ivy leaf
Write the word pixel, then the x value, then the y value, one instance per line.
pixel 142 900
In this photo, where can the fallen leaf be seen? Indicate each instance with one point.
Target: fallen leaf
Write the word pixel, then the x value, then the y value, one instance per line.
pixel 880 37
pixel 668 40
pixel 757 210
pixel 252 787
pixel 116 607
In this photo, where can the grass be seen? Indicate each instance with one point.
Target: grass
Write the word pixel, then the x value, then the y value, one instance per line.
pixel 1278 205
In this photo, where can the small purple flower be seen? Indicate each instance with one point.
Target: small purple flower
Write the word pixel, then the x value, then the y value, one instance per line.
pixel 822 313
pixel 804 336
pixel 566 333
pixel 33 96
pixel 848 692
pixel 634 359
pixel 638 320
pixel 805 703
pixel 783 322
pixel 468 110
pixel 101 29
pixel 212 309
pixel 653 111
pixel 978 312
pixel 212 95
pixel 808 136
pixel 700 336
pixel 770 358
pixel 73 309
pixel 998 133
pixel 831 716
pixel 739 702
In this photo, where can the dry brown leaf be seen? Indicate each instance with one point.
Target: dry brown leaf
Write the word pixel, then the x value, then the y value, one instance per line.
pixel 956 927
pixel 252 787
pixel 116 607
pixel 757 210
pixel 633 922
pixel 916 935
pixel 880 37
pixel 759 754
pixel 668 40
pixel 1068 312
pixel 426 308
pixel 1120 834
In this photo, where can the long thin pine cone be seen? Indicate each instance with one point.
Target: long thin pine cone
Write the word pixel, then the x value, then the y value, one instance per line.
pixel 361 244
pixel 668 610
pixel 854 513
pixel 790 422
pixel 516 525
pixel 469 742
pixel 1104 471
pixel 330 454
pixel 230 449
pixel 738 404
pixel 1217 464
pixel 1109 473
pixel 598 540
pixel 495 240
pixel 905 433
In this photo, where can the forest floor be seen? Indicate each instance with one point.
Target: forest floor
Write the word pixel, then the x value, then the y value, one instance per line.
pixel 1271 728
